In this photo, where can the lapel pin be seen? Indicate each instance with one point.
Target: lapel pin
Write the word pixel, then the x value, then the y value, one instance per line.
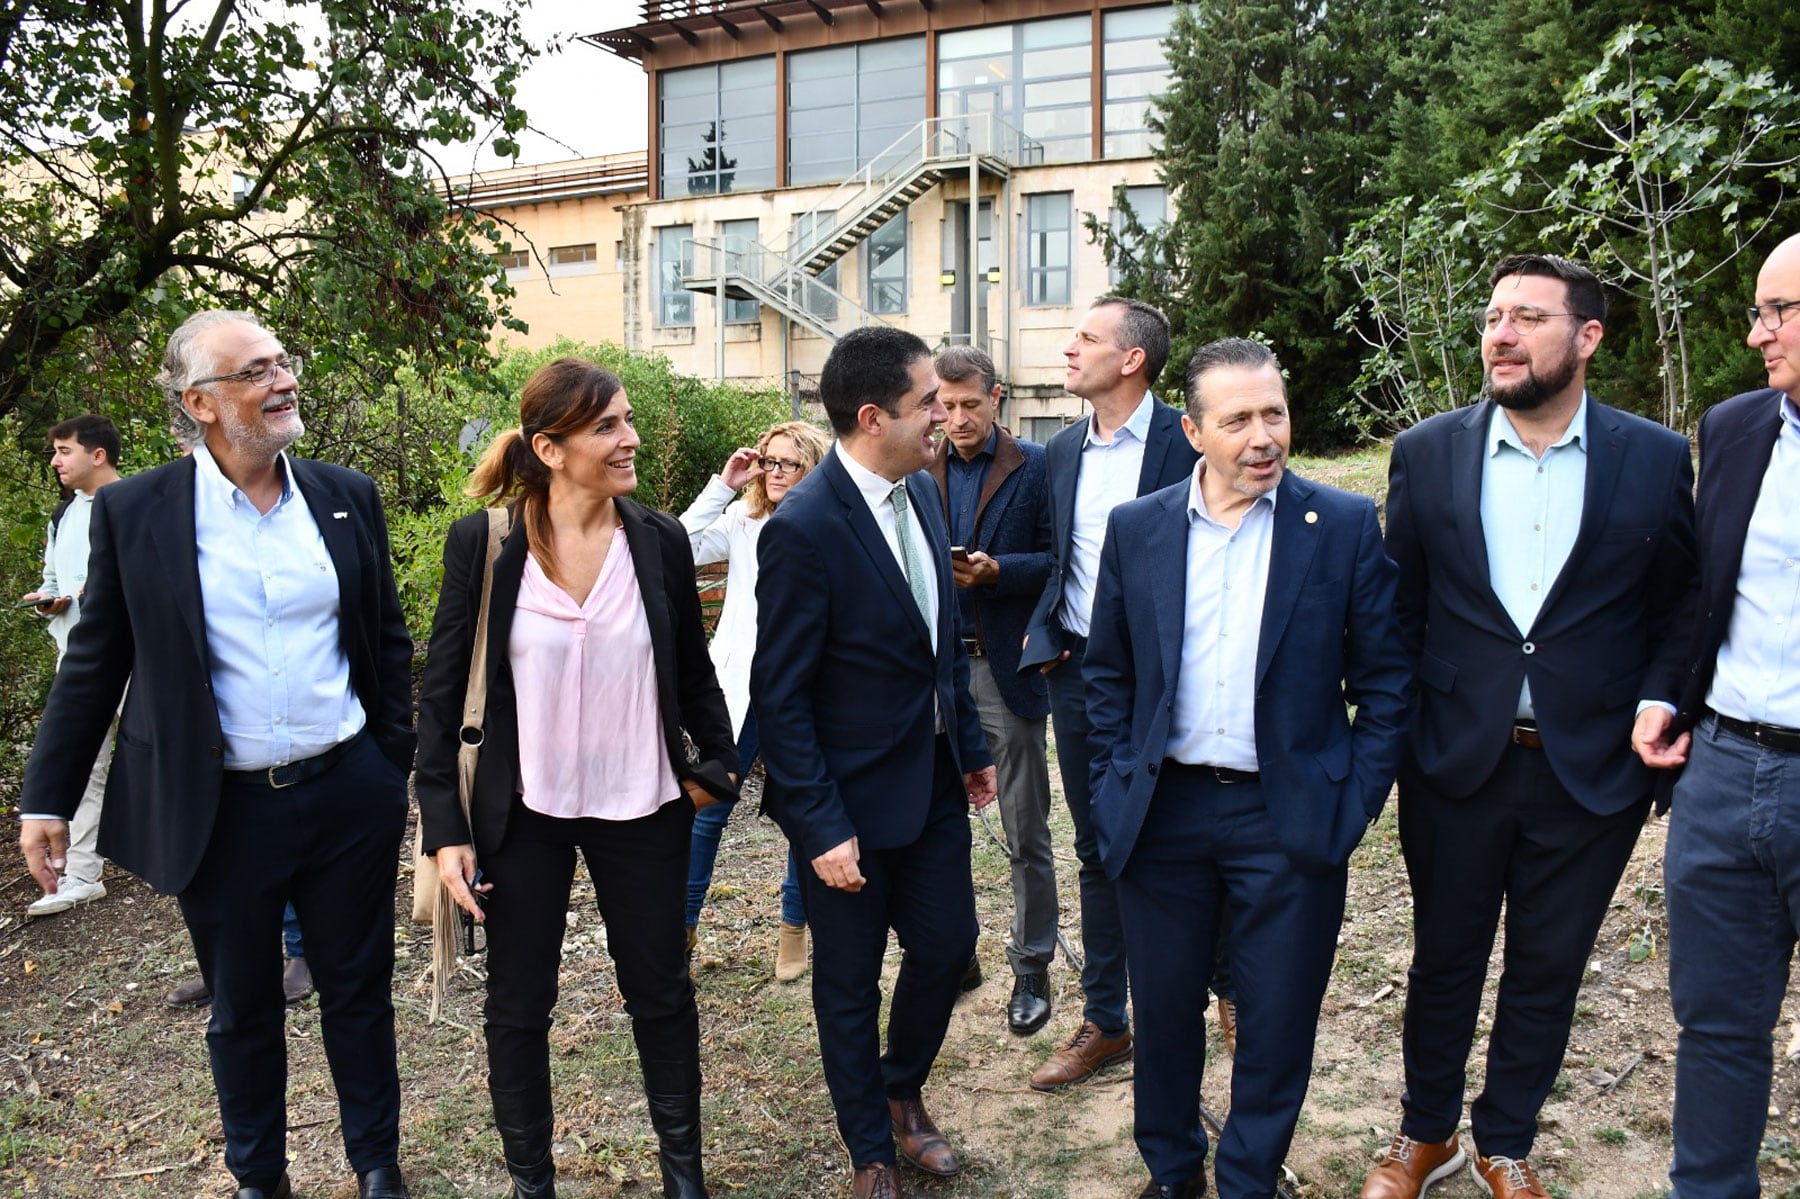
pixel 1312 518
pixel 346 515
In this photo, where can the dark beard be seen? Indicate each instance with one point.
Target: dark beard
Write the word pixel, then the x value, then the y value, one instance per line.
pixel 1536 389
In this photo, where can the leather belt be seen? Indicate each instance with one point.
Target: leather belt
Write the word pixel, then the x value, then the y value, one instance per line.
pixel 1769 736
pixel 1218 774
pixel 281 777
pixel 1525 734
pixel 973 645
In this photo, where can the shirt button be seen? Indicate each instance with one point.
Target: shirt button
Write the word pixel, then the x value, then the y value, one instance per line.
pixel 1221 732
pixel 1534 586
pixel 278 720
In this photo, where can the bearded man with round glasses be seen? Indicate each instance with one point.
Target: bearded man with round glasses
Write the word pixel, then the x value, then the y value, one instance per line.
pixel 1546 552
pixel 263 748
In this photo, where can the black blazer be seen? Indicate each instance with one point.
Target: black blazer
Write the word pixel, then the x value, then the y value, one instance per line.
pixel 844 683
pixel 686 687
pixel 1610 631
pixel 1168 459
pixel 1737 439
pixel 143 619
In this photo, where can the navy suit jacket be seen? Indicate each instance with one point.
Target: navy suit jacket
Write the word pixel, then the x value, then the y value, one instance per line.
pixel 1168 459
pixel 844 680
pixel 1012 526
pixel 143 619
pixel 1329 638
pixel 1611 630
pixel 1737 439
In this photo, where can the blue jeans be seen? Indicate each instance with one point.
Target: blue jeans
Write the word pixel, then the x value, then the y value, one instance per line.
pixel 1732 872
pixel 709 826
pixel 290 935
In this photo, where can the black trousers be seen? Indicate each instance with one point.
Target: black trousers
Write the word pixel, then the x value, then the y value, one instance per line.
pixel 1522 839
pixel 639 869
pixel 923 891
pixel 331 846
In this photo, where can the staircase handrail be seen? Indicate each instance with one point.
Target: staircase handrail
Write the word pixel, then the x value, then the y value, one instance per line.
pixel 778 275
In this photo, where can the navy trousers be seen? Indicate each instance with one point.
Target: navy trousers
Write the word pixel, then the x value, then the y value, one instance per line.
pixel 924 892
pixel 331 846
pixel 1208 853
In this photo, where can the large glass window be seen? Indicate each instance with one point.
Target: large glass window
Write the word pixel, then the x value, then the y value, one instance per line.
pixel 717 128
pixel 1136 69
pixel 738 241
pixel 674 259
pixel 1049 246
pixel 1150 205
pixel 1037 76
pixel 846 104
pixel 885 290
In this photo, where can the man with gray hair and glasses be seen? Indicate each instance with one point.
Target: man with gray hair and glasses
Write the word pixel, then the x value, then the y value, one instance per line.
pixel 264 746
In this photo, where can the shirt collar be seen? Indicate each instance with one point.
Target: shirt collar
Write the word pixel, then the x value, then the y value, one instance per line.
pixel 1196 505
pixel 1501 431
pixel 209 477
pixel 1137 424
pixel 993 443
pixel 1790 416
pixel 874 489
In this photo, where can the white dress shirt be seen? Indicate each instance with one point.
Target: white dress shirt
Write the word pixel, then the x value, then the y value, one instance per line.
pixel 1108 476
pixel 1530 515
pixel 1214 721
pixel 1757 676
pixel 269 596
pixel 876 492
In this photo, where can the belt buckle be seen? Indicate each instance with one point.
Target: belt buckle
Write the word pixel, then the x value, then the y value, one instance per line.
pixel 1222 775
pixel 277 784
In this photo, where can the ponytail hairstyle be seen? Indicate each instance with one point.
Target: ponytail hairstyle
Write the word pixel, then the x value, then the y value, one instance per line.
pixel 561 398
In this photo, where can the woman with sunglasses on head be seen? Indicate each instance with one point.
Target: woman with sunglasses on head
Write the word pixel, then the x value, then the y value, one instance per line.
pixel 724 528
pixel 596 664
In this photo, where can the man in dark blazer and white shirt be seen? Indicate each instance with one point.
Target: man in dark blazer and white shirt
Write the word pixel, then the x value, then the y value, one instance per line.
pixel 1130 446
pixel 1733 888
pixel 874 751
pixel 1546 553
pixel 264 744
pixel 1237 614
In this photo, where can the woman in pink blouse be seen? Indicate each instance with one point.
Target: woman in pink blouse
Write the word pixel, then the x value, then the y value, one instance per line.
pixel 597 663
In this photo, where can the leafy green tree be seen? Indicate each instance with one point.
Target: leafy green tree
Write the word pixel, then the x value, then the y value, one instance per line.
pixel 259 155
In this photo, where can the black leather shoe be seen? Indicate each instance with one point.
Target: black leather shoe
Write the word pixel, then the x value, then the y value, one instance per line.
pixel 1029 1008
pixel 281 1190
pixel 383 1182
pixel 1193 1188
pixel 972 976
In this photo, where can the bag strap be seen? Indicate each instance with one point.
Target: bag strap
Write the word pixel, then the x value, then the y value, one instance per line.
pixel 475 697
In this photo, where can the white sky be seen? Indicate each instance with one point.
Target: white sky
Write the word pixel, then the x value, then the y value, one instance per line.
pixel 581 100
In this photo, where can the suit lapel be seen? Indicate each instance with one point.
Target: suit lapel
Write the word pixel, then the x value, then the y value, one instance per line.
pixel 177 543
pixel 868 536
pixel 1157 445
pixel 1064 459
pixel 1468 448
pixel 1293 541
pixel 937 544
pixel 647 564
pixel 1608 446
pixel 331 512
pixel 1007 459
pixel 509 575
pixel 1750 448
pixel 1165 550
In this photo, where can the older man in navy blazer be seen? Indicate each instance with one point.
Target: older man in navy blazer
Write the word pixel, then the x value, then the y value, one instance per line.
pixel 872 744
pixel 1227 775
pixel 1546 553
pixel 1731 866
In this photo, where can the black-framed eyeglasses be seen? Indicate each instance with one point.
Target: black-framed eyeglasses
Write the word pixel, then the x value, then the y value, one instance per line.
pixel 1773 316
pixel 261 374
pixel 780 466
pixel 1524 319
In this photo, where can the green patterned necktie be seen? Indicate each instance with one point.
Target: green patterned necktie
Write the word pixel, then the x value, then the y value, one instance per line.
pixel 909 552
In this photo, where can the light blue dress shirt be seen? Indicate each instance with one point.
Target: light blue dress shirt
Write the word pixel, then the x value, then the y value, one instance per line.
pixel 269 592
pixel 1530 515
pixel 1214 722
pixel 1758 673
pixel 1109 474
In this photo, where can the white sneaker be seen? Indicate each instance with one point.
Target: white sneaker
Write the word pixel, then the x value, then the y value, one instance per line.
pixel 69 893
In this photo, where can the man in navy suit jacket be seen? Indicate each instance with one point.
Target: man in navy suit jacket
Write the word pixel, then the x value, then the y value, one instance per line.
pixel 861 690
pixel 1131 446
pixel 993 489
pixel 1226 773
pixel 1546 553
pixel 1730 862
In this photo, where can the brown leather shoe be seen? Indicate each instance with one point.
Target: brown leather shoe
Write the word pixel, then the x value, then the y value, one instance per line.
pixel 192 993
pixel 876 1180
pixel 1507 1178
pixel 1227 1017
pixel 1410 1168
pixel 1086 1054
pixel 296 981
pixel 919 1140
